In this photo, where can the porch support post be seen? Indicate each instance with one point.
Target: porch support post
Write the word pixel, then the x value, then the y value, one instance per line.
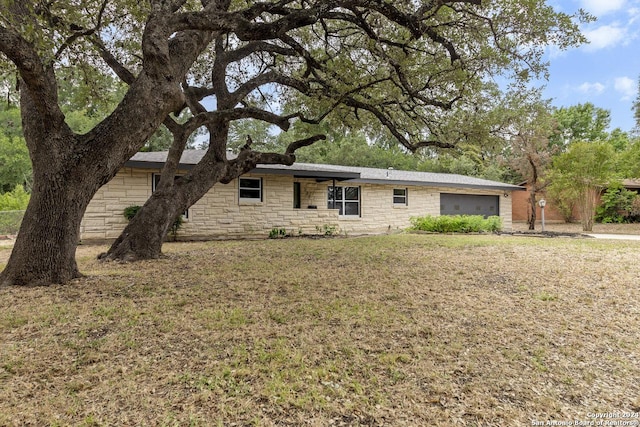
pixel 334 193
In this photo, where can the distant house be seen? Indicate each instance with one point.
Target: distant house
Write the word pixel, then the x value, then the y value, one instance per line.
pixel 521 204
pixel 302 198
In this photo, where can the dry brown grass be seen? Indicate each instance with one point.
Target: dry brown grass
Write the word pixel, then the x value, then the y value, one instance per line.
pixel 576 227
pixel 391 330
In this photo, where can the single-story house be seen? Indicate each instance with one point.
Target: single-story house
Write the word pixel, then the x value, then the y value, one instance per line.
pixel 302 198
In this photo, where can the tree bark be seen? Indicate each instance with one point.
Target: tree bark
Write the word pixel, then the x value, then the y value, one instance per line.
pixel 532 202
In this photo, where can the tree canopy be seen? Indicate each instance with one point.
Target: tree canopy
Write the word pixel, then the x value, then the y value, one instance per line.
pixel 581 122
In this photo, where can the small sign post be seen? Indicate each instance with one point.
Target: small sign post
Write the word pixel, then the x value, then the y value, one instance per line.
pixel 542 204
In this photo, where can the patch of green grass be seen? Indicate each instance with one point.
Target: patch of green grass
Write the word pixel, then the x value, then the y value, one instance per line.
pixel 538 360
pixel 224 318
pixel 10 319
pixel 545 296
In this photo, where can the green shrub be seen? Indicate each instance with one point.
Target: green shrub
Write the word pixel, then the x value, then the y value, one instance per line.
pixel 327 230
pixel 16 200
pixel 131 211
pixel 615 205
pixel 177 225
pixel 277 233
pixel 456 224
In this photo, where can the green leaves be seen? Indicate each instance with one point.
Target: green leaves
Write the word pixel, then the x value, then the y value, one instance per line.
pixel 15 165
pixel 580 173
pixel 582 122
pixel 585 164
pixel 15 200
pixel 456 224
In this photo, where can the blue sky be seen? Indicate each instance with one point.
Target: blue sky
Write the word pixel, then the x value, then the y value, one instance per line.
pixel 604 72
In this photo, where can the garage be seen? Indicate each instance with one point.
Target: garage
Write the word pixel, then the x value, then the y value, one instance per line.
pixel 469 204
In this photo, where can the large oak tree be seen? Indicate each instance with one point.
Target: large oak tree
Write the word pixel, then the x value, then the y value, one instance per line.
pixel 408 67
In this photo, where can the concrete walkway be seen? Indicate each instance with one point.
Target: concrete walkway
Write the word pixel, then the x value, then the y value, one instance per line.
pixel 614 236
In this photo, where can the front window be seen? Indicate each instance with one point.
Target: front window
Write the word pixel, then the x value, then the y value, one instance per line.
pixel 250 189
pixel 400 196
pixel 345 199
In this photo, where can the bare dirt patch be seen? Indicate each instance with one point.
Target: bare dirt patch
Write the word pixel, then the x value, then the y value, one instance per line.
pixel 388 330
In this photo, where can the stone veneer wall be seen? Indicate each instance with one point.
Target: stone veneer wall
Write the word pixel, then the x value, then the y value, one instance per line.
pixel 220 214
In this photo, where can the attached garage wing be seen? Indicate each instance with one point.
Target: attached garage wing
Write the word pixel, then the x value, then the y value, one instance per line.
pixel 469 204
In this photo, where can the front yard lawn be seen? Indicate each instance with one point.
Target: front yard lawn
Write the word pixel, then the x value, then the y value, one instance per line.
pixel 388 330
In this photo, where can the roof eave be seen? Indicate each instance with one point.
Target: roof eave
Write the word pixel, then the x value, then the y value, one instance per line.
pixel 506 187
pixel 298 173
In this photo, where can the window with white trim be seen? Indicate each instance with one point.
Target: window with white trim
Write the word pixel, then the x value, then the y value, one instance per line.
pixel 400 196
pixel 345 199
pixel 250 189
pixel 154 184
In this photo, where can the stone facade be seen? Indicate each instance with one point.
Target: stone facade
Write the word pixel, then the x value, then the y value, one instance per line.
pixel 221 213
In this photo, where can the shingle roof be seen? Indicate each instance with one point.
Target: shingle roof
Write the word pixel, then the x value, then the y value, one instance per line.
pixel 350 173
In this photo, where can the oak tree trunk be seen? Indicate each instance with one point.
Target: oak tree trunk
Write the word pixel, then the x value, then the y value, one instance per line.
pixel 45 251
pixel 142 238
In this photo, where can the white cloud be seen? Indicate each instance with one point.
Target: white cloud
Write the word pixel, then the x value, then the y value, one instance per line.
pixel 634 14
pixel 555 52
pixel 591 88
pixel 602 7
pixel 626 86
pixel 605 36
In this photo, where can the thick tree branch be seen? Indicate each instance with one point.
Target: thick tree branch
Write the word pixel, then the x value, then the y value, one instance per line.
pixel 254 48
pixel 37 78
pixel 248 159
pixel 121 71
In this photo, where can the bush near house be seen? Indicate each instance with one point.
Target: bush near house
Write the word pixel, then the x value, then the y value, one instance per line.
pixel 456 223
pixel 616 205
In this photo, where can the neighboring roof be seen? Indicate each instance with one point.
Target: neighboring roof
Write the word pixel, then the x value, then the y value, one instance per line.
pixel 632 183
pixel 326 172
